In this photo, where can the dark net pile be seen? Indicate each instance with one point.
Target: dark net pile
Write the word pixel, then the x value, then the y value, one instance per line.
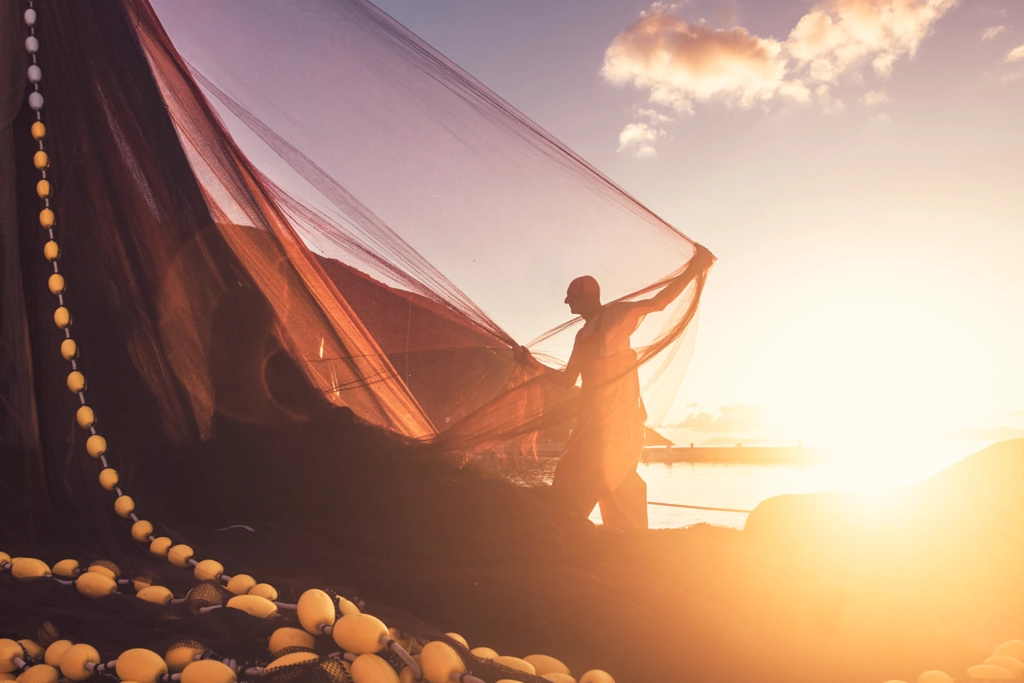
pixel 280 232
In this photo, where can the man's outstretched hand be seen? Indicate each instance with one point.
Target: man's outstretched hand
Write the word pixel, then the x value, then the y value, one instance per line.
pixel 522 355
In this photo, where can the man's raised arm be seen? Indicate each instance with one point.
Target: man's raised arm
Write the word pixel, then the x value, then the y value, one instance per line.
pixel 702 258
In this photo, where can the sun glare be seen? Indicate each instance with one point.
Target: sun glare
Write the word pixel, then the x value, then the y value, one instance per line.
pixel 880 379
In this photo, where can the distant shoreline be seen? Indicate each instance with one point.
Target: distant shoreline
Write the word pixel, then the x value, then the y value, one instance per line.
pixel 747 455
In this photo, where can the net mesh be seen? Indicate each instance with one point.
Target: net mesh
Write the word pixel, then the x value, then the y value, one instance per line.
pixel 298 301
pixel 399 165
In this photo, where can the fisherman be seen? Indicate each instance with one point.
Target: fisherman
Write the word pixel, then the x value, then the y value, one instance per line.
pixel 598 465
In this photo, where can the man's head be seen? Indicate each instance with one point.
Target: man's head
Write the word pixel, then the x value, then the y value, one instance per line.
pixel 583 295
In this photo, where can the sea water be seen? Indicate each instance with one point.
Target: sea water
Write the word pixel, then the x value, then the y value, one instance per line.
pixel 719 485
pixel 744 486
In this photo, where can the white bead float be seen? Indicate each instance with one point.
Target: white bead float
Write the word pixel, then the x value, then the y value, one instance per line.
pixel 360 634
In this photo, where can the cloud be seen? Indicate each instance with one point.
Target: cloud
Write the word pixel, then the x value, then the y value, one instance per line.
pixel 680 64
pixel 874 98
pixel 992 31
pixel 639 138
pixel 1015 55
pixel 735 418
pixel 654 116
pixel 880 119
pixel 841 36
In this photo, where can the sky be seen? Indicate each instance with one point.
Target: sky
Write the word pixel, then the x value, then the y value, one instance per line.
pixel 855 165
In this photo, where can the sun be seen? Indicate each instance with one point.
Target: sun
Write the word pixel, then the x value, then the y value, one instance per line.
pixel 879 376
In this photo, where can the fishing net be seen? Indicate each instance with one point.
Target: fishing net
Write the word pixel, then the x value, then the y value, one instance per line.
pixel 301 251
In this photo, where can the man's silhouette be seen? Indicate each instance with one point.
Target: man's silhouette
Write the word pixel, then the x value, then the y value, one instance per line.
pixel 599 463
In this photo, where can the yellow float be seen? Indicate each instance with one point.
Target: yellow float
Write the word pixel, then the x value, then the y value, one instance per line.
pixel 182 654
pixel 124 506
pixel 935 677
pixel 85 417
pixel 254 605
pixel 558 678
pixel 315 609
pixel 406 674
pixel 208 569
pixel 239 584
pixel 1011 648
pixel 1011 664
pixel 287 636
pixel 109 479
pixel 369 668
pixel 95 585
pixel 40 673
pixel 180 554
pixel 140 665
pixel 76 380
pixel 291 659
pixel 107 568
pixel 62 318
pixel 32 648
pixel 359 633
pixel 516 663
pixel 543 664
pixel 439 661
pixel 55 651
pixel 9 650
pixel 458 639
pixel 208 671
pixel 29 568
pixel 95 445
pixel 347 607
pixel 158 595
pixel 68 347
pixel 73 661
pixel 65 569
pixel 142 530
pixel 264 590
pixel 160 546
pixel 988 672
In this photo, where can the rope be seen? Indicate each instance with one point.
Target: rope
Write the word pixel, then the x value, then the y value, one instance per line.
pixel 697 507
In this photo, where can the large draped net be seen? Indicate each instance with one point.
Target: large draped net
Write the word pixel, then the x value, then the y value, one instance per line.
pixel 302 249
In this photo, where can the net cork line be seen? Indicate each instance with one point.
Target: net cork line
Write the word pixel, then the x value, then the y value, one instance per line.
pixel 320 613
